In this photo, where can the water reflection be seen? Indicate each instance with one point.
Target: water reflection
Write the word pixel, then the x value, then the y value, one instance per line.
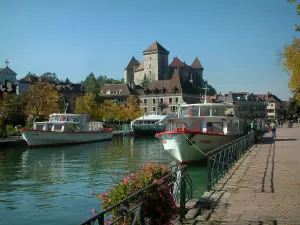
pixel 36 183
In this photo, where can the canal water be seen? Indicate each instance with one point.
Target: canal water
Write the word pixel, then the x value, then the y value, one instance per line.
pixel 52 185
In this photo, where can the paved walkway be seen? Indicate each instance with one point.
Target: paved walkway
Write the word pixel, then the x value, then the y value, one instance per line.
pixel 264 187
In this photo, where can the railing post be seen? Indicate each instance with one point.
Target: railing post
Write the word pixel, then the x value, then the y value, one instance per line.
pixel 101 220
pixel 142 217
pixel 208 173
pixel 182 194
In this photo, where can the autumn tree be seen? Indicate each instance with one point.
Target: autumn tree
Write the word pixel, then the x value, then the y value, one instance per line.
pixel 298 11
pixel 87 104
pixel 133 107
pixel 43 100
pixel 291 63
pixel 11 110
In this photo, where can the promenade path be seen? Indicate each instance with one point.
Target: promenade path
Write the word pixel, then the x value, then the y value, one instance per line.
pixel 264 188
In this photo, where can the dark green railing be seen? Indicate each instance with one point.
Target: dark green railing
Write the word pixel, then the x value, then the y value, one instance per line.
pixel 220 160
pixel 182 192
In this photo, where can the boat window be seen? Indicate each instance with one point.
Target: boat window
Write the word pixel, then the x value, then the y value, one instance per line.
pixel 205 111
pixel 215 127
pixel 190 111
pixel 57 127
pixel 72 127
pixel 39 126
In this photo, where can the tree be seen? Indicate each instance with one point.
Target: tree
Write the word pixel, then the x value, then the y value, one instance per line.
pixel 67 81
pixel 291 63
pixel 133 106
pixel 298 12
pixel 109 110
pixel 91 84
pixel 49 77
pixel 43 100
pixel 87 104
pixel 11 110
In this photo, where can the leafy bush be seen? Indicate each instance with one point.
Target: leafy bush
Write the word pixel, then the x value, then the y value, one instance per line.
pixel 159 207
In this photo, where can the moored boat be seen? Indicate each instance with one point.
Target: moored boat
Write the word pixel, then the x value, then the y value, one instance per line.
pixel 66 129
pixel 200 128
pixel 150 124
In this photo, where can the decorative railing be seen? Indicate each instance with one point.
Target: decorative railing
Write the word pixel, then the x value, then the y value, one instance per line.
pixel 182 192
pixel 220 160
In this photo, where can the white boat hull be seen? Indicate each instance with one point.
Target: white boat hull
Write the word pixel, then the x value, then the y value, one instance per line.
pixel 192 147
pixel 48 138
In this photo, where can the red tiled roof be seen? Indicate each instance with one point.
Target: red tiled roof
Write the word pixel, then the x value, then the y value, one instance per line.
pixel 156 47
pixel 140 67
pixel 176 63
pixel 122 89
pixel 133 62
pixel 196 64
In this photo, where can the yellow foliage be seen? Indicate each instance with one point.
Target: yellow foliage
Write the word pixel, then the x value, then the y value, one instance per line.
pixel 10 106
pixel 292 65
pixel 87 104
pixel 43 100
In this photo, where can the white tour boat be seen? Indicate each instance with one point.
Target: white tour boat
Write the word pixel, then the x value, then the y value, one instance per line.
pixel 150 124
pixel 66 129
pixel 200 128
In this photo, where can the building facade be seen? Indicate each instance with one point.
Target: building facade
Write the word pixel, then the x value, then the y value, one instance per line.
pixel 275 107
pixel 248 106
pixel 8 80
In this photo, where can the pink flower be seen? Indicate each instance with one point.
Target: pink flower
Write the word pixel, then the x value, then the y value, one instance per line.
pixel 161 180
pixel 155 181
pixel 157 220
pixel 125 181
pixel 93 211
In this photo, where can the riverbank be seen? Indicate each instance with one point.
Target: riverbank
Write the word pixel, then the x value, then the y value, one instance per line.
pixel 11 141
pixel 262 188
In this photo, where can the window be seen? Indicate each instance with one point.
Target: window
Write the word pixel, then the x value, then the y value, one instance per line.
pixel 145 109
pixel 161 100
pixel 176 100
pixel 145 101
pixel 150 59
pixel 153 108
pixel 170 100
pixel 150 65
pixel 154 101
pixel 150 72
pixel 173 108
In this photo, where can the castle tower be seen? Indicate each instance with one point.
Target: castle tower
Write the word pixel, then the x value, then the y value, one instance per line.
pixel 155 62
pixel 129 70
pixel 197 71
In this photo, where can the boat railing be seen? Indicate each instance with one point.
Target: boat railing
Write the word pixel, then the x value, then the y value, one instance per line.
pixel 178 180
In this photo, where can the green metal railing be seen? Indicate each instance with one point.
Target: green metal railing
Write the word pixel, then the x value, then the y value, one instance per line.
pixel 220 160
pixel 182 192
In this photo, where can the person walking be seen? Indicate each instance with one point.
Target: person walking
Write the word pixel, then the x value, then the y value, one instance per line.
pixel 273 129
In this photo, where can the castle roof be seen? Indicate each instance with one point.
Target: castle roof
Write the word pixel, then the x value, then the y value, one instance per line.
pixel 176 63
pixel 196 64
pixel 156 47
pixel 133 62
pixel 140 67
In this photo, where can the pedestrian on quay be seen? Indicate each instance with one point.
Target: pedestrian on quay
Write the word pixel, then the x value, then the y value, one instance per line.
pixel 273 130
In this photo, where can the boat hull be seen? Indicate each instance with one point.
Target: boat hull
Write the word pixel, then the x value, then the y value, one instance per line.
pixel 192 147
pixel 36 138
pixel 147 130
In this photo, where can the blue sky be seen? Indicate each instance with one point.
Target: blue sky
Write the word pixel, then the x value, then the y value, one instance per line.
pixel 236 41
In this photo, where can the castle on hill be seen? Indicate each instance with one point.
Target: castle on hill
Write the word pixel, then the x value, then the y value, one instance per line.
pixel 155 67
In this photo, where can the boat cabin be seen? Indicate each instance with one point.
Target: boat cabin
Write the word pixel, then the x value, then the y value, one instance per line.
pixel 68 123
pixel 206 109
pixel 207 117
